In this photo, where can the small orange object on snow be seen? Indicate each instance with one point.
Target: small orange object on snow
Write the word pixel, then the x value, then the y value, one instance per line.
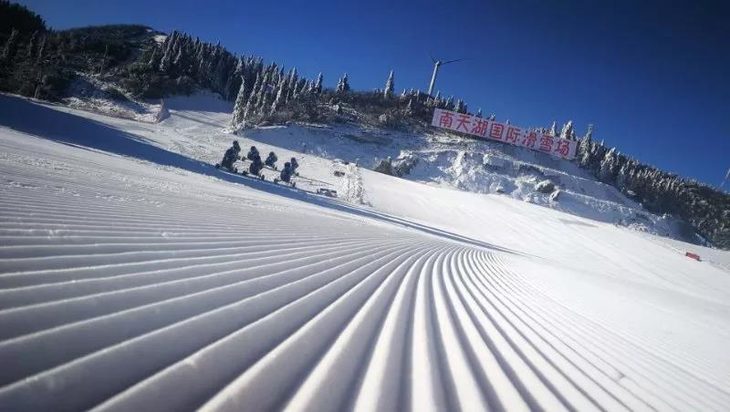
pixel 694 256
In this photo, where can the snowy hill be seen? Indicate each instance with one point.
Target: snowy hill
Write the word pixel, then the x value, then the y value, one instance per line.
pixel 135 275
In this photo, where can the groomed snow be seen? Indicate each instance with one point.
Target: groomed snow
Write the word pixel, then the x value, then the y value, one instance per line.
pixel 135 276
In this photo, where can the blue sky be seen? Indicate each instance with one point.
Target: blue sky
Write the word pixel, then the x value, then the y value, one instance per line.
pixel 652 76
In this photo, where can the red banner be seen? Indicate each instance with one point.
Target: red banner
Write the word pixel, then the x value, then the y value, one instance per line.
pixel 505 133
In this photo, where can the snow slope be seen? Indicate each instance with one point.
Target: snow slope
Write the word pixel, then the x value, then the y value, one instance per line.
pixel 134 275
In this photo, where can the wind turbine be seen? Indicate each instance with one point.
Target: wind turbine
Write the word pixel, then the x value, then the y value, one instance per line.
pixel 436 65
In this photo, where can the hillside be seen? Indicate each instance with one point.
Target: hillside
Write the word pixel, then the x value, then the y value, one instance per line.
pixel 124 70
pixel 131 268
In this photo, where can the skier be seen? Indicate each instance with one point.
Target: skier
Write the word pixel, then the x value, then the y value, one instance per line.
pixel 231 156
pixel 256 165
pixel 286 173
pixel 251 153
pixel 271 160
pixel 294 166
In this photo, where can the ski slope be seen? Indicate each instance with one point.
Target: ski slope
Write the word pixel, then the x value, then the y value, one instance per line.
pixel 135 276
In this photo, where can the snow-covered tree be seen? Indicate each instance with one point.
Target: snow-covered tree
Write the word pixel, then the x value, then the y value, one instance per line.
pixel 166 60
pixel 343 85
pixel 389 86
pixel 553 129
pixel 589 133
pixel 279 100
pixel 609 167
pixel 239 108
pixel 41 48
pixel 11 46
pixel 162 113
pixel 154 57
pixel 32 44
pixel 567 130
pixel 318 84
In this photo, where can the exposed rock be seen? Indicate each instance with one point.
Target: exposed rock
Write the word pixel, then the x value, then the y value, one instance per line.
pixel 545 186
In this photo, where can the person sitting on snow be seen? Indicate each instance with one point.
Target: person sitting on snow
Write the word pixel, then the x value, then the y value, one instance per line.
pixel 271 160
pixel 251 153
pixel 231 156
pixel 286 173
pixel 256 165
pixel 294 165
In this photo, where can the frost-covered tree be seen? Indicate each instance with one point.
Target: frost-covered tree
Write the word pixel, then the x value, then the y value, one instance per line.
pixel 279 100
pixel 318 84
pixel 239 108
pixel 459 106
pixel 567 130
pixel 11 46
pixel 41 48
pixel 553 129
pixel 589 132
pixel 32 45
pixel 162 113
pixel 389 86
pixel 166 60
pixel 609 167
pixel 479 113
pixel 154 57
pixel 343 86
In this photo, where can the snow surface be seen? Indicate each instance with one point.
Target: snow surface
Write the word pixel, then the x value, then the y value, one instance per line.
pixel 133 275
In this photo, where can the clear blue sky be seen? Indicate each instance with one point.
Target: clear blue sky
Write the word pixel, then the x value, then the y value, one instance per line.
pixel 653 76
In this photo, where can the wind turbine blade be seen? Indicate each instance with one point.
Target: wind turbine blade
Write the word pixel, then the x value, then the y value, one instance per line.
pixel 433 59
pixel 453 61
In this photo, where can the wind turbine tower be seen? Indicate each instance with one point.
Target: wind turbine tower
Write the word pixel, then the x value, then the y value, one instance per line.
pixel 436 65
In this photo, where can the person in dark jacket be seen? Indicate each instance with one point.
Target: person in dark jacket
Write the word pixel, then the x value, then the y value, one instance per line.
pixel 271 160
pixel 231 156
pixel 256 165
pixel 294 165
pixel 251 153
pixel 286 172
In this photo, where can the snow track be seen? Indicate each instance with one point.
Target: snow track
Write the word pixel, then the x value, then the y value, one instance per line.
pixel 156 289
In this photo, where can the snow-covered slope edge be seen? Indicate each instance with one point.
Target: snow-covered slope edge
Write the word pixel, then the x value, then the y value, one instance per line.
pixel 129 272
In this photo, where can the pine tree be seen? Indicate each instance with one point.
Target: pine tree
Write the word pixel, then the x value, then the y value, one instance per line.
pixel 609 167
pixel 279 99
pixel 343 86
pixel 479 113
pixel 589 133
pixel 389 86
pixel 32 44
pixel 318 84
pixel 553 129
pixel 567 130
pixel 240 106
pixel 11 46
pixel 166 61
pixel 154 56
pixel 41 48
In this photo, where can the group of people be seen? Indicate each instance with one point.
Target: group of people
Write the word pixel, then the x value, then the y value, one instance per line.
pixel 232 154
